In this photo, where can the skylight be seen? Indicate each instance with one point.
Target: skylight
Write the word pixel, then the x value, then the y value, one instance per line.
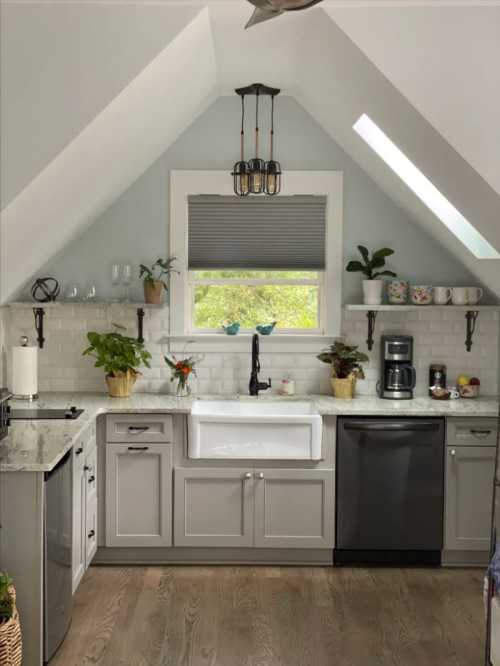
pixel 424 189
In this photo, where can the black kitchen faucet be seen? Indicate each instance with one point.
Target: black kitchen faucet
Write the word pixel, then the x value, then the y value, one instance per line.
pixel 255 386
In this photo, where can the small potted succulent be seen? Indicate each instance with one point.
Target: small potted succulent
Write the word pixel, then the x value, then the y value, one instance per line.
pixel 372 287
pixel 11 646
pixel 346 368
pixel 154 284
pixel 120 356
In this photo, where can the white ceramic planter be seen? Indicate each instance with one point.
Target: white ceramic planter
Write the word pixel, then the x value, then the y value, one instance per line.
pixel 372 292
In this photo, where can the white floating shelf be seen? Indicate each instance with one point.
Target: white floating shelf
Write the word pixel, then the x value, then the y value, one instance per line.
pixel 407 307
pixel 90 304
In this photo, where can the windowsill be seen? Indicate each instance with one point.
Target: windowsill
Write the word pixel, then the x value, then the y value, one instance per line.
pixel 274 343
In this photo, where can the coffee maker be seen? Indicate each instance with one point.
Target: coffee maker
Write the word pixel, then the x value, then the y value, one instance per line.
pixel 398 375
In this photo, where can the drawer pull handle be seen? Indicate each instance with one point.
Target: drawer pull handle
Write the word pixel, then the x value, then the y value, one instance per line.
pixel 248 475
pixel 260 475
pixel 138 428
pixel 79 450
pixel 91 479
pixel 453 453
pixel 91 534
pixel 138 448
pixel 480 432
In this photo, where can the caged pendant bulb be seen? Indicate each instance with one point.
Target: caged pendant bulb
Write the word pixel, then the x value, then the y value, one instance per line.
pixel 256 176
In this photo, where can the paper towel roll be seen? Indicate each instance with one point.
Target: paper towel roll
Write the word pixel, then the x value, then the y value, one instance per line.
pixel 25 371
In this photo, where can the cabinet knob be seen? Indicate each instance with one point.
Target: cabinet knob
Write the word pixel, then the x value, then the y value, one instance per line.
pixel 453 453
pixel 248 475
pixel 79 450
pixel 260 475
pixel 91 534
pixel 87 468
pixel 91 479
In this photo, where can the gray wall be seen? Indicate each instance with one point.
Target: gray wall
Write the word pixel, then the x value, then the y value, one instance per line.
pixel 135 227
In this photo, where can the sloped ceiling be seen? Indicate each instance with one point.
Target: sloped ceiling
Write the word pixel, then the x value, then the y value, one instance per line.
pixel 88 162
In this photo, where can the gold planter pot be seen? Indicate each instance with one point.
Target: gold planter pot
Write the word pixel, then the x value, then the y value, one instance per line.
pixel 121 385
pixel 344 388
pixel 153 291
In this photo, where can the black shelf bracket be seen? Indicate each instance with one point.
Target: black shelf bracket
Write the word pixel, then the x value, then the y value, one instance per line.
pixel 140 325
pixel 39 314
pixel 471 318
pixel 371 316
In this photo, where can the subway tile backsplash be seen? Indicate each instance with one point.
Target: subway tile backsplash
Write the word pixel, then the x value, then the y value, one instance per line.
pixel 439 336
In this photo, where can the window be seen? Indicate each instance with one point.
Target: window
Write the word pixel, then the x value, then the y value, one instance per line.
pixel 283 264
pixel 251 297
pixel 420 185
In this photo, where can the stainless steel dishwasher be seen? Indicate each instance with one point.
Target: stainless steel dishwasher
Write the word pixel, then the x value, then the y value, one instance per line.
pixel 390 490
pixel 58 599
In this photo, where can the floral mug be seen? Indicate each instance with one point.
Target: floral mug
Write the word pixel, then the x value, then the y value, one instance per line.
pixel 397 292
pixel 421 294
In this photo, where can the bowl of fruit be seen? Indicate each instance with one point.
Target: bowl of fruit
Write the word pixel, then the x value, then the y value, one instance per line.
pixel 468 387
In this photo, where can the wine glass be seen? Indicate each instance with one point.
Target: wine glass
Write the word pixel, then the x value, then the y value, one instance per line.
pixel 71 292
pixel 116 271
pixel 127 280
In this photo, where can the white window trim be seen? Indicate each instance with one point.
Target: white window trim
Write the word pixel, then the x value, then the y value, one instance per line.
pixel 322 183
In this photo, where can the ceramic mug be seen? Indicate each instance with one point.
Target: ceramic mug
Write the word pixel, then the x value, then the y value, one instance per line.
pixel 397 292
pixel 459 296
pixel 442 295
pixel 474 295
pixel 421 294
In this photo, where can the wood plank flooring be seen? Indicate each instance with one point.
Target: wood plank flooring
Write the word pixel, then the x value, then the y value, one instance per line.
pixel 270 616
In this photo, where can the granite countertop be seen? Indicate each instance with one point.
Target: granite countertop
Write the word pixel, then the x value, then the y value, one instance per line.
pixel 37 446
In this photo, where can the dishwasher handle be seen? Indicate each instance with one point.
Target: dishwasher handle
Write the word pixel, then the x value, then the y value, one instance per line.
pixel 391 427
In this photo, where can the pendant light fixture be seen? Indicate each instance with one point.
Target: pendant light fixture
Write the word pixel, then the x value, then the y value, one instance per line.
pixel 256 176
pixel 241 170
pixel 273 168
pixel 256 165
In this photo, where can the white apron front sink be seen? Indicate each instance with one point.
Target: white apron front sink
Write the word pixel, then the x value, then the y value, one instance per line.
pixel 253 430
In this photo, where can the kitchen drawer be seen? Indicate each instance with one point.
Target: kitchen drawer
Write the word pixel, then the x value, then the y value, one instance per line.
pixel 91 475
pixel 90 532
pixel 471 431
pixel 132 428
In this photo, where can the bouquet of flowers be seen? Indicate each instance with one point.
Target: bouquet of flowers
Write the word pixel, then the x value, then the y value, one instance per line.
pixel 182 369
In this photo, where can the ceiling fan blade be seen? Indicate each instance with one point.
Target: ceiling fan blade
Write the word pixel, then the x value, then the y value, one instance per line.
pixel 261 15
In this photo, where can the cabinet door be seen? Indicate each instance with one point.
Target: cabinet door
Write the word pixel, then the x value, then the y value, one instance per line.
pixel 469 488
pixel 294 508
pixel 78 557
pixel 90 531
pixel 138 495
pixel 213 507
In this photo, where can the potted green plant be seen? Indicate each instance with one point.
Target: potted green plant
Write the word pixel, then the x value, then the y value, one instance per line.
pixel 346 368
pixel 372 287
pixel 11 646
pixel 120 356
pixel 154 284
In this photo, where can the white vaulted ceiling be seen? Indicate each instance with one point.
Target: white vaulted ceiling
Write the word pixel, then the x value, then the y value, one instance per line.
pixel 93 93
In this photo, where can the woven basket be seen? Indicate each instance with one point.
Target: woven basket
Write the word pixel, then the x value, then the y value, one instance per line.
pixel 11 644
pixel 121 386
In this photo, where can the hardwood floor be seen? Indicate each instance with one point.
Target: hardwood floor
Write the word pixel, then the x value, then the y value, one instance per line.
pixel 263 616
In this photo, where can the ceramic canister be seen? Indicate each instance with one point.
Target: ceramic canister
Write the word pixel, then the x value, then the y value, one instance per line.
pixel 421 294
pixel 397 292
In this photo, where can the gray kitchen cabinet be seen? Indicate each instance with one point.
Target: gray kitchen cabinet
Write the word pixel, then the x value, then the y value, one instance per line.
pixel 84 507
pixel 138 494
pixel 79 506
pixel 213 507
pixel 294 508
pixel 469 477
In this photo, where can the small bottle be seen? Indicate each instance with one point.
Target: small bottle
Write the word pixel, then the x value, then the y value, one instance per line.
pixel 287 386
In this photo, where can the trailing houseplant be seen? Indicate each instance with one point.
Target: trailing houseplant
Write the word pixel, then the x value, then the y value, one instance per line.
pixel 120 356
pixel 370 268
pixel 10 627
pixel 346 365
pixel 154 278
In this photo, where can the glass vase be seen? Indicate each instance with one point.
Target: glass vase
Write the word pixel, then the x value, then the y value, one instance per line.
pixel 182 388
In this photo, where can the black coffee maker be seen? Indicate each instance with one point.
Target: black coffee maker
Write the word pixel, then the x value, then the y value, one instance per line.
pixel 398 376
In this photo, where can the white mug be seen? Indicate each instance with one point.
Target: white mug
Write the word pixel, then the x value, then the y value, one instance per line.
pixel 442 295
pixel 459 296
pixel 474 295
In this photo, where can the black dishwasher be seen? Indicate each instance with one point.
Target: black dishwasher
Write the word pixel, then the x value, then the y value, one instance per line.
pixel 390 491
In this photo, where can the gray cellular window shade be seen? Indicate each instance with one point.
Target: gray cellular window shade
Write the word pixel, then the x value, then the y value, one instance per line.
pixel 273 233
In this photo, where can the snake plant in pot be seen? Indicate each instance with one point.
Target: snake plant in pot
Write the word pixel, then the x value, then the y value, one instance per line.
pixel 155 278
pixel 346 368
pixel 372 287
pixel 120 356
